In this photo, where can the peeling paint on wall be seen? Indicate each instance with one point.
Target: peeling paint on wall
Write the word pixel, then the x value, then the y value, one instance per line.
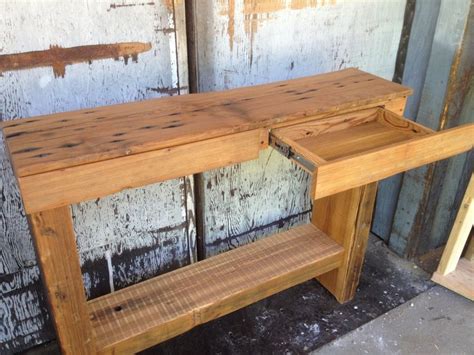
pixel 166 90
pixel 58 57
pixel 250 200
pixel 257 11
pixel 126 237
pixel 269 6
pixel 117 6
pixel 24 318
pixel 253 14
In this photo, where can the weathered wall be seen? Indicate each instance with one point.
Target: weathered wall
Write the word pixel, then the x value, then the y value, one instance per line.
pixel 123 238
pixel 419 40
pixel 242 42
pixel 422 203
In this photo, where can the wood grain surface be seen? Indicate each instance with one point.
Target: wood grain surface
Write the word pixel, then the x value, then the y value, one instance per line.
pixel 59 262
pixel 150 312
pixel 63 140
pixel 376 164
pixel 346 218
pixel 368 146
pixel 85 182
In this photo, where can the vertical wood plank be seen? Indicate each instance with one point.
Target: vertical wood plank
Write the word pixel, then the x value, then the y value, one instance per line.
pixel 460 232
pixel 179 18
pixel 59 262
pixel 346 218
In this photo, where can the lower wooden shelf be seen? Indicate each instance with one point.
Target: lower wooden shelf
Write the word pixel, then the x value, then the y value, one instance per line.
pixel 150 312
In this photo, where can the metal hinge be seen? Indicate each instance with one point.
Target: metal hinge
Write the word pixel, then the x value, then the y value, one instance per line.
pixel 286 150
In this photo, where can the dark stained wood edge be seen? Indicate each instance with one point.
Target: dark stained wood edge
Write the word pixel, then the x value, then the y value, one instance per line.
pixel 43 164
pixel 85 182
pixel 402 91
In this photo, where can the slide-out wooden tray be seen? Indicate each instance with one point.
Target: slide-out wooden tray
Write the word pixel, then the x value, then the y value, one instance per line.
pixel 350 150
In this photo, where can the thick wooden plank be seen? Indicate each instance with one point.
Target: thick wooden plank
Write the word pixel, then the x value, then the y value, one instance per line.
pixel 461 280
pixel 62 140
pixel 85 182
pixel 56 249
pixel 459 234
pixel 150 312
pixel 369 146
pixel 380 163
pixel 346 218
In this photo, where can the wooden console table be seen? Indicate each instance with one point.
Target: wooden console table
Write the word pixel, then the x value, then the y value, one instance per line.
pixel 345 128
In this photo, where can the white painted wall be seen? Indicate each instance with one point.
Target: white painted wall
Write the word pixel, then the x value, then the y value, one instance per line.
pixel 243 42
pixel 128 236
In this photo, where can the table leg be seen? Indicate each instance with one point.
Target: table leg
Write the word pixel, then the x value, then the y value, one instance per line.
pixel 58 259
pixel 346 217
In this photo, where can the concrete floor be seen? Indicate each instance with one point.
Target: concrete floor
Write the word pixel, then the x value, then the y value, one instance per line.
pixel 437 321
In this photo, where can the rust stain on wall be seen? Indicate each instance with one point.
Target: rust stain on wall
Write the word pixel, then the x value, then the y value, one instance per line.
pixel 452 89
pixel 116 6
pixel 252 7
pixel 231 26
pixel 170 4
pixel 58 57
pixel 257 11
pixel 302 4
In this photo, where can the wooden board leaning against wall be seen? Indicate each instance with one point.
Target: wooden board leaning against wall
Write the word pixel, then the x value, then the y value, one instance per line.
pixel 123 238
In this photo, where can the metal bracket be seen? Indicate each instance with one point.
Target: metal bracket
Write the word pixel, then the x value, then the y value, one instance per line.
pixel 286 150
pixel 283 148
